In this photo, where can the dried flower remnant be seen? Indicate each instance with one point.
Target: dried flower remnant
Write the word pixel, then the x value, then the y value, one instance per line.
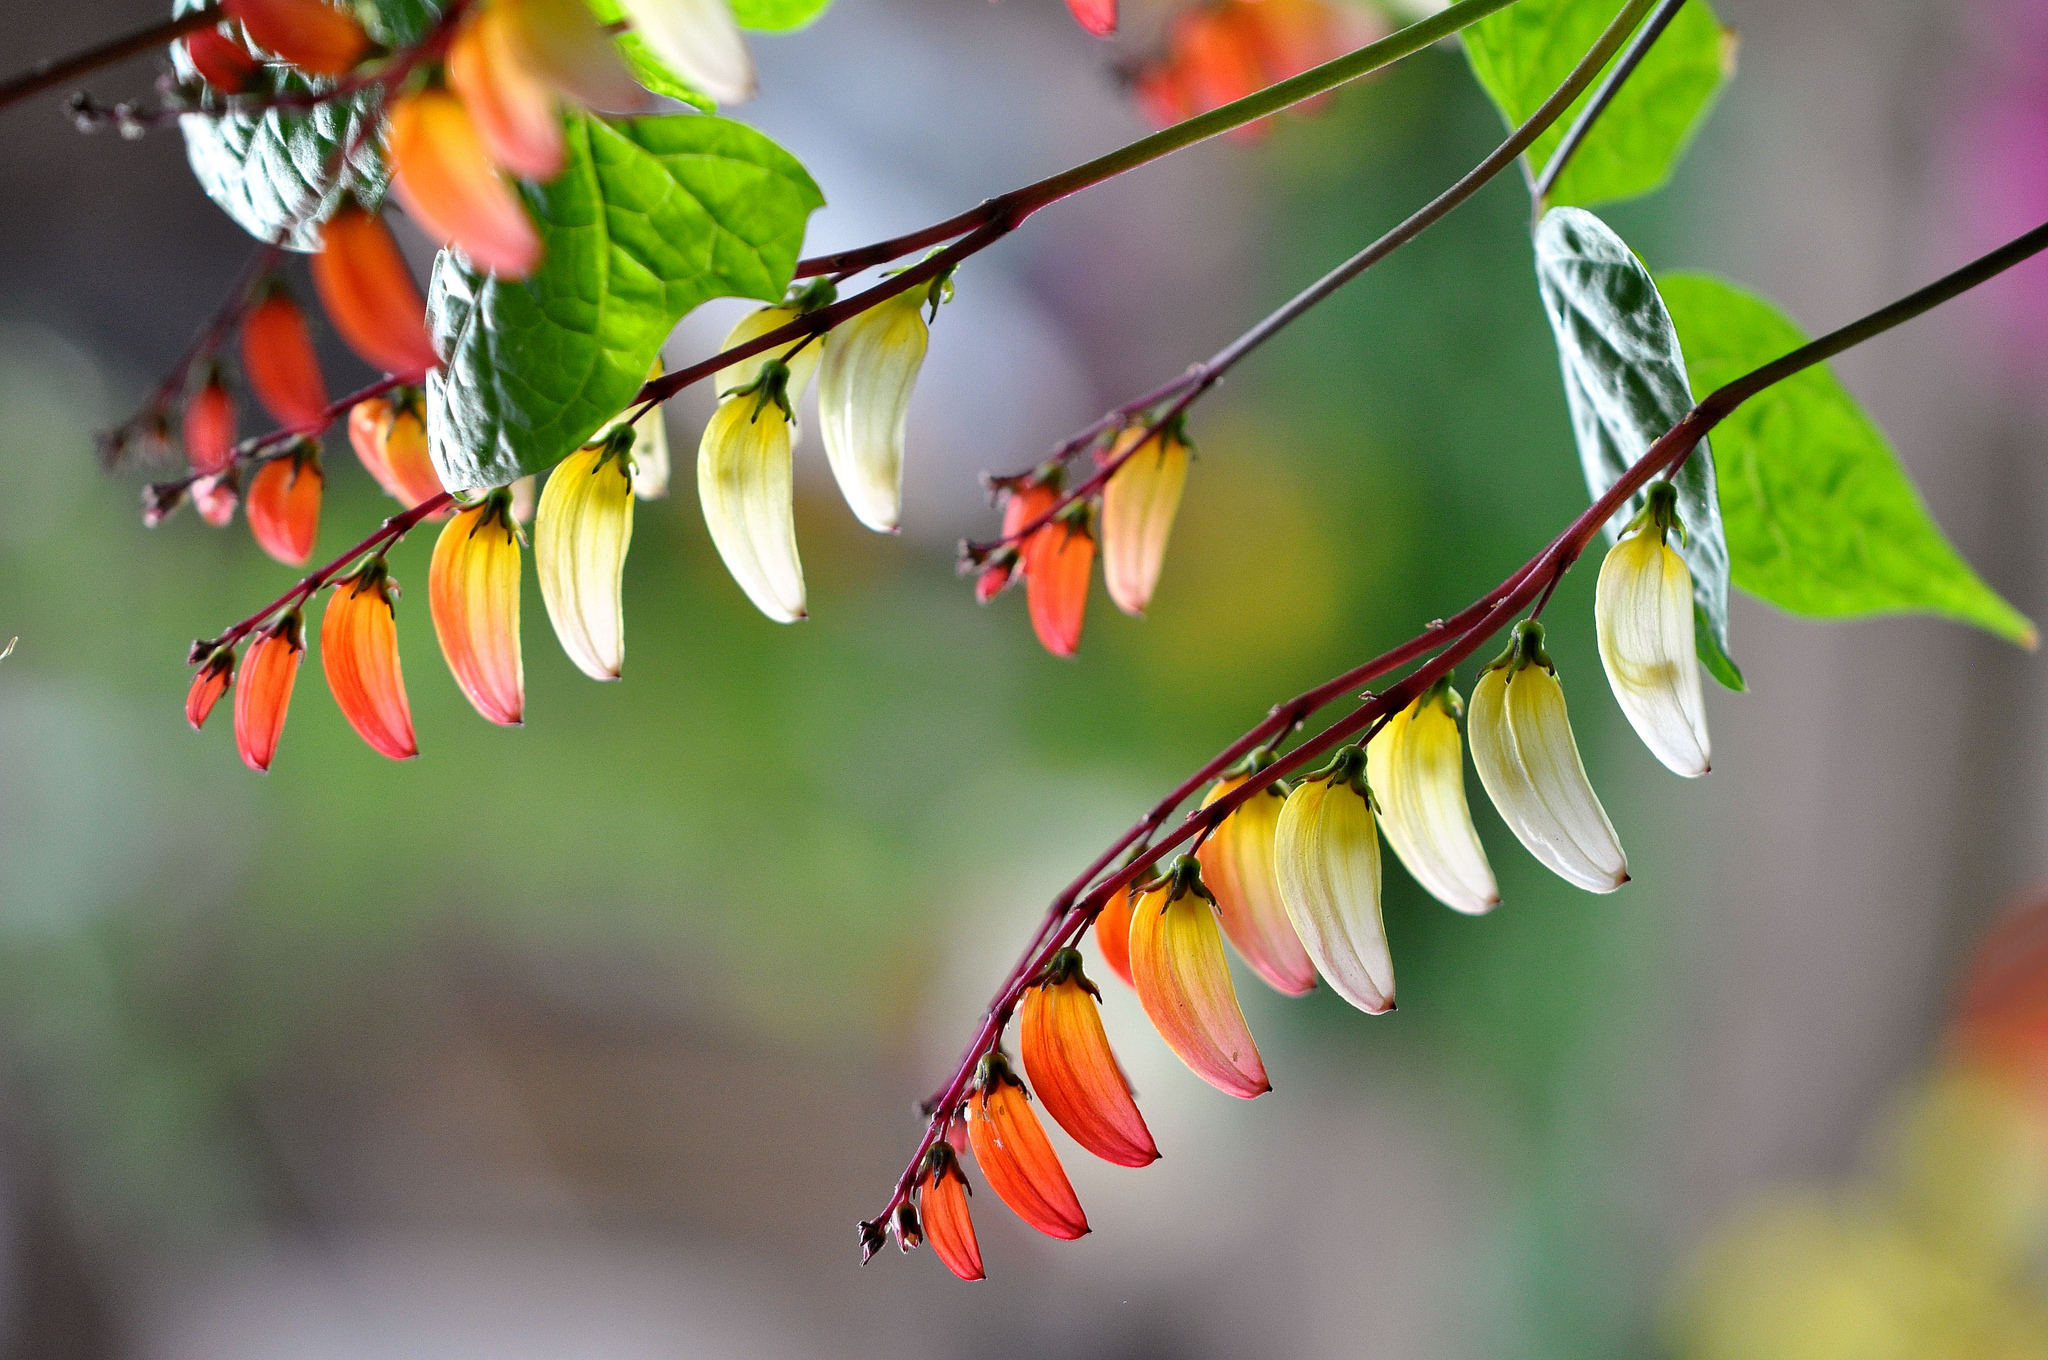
pixel 1067 1055
pixel 1138 509
pixel 1237 867
pixel 442 175
pixel 264 694
pixel 473 595
pixel 580 538
pixel 1416 766
pixel 744 483
pixel 942 1203
pixel 1015 1156
pixel 1327 857
pixel 1644 613
pixel 1183 982
pixel 216 497
pixel 869 370
pixel 359 653
pixel 279 361
pixel 369 294
pixel 318 38
pixel 216 673
pixel 284 504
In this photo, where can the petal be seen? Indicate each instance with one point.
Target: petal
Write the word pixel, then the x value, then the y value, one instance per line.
pixel 264 695
pixel 221 61
pixel 359 653
pixel 743 480
pixel 802 362
pixel 473 594
pixel 209 428
pixel 1327 857
pixel 1237 868
pixel 650 446
pixel 512 108
pixel 1067 1055
pixel 1097 16
pixel 212 681
pixel 1113 934
pixel 216 498
pixel 310 34
pixel 580 538
pixel 700 41
pixel 864 385
pixel 279 362
pixel 1138 509
pixel 284 507
pixel 1523 749
pixel 413 478
pixel 1417 770
pixel 1183 981
pixel 441 174
pixel 1017 1159
pixel 561 41
pixel 1643 610
pixel 942 1204
pixel 370 296
pixel 1057 562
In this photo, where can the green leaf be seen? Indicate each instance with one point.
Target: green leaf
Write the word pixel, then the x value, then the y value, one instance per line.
pixel 1625 381
pixel 647 68
pixel 1524 52
pixel 1821 519
pixel 652 217
pixel 778 16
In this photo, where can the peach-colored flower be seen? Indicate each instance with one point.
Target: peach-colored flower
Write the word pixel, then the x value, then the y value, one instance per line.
pixel 359 652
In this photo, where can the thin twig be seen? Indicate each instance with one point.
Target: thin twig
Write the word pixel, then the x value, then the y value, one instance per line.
pixel 45 74
pixel 1575 136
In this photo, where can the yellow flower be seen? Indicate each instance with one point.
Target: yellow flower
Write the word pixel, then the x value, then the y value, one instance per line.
pixel 801 359
pixel 864 385
pixel 1138 508
pixel 743 479
pixel 1326 852
pixel 1644 613
pixel 580 537
pixel 1416 765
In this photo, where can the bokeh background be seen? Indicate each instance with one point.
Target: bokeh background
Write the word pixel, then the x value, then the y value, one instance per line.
pixel 596 1038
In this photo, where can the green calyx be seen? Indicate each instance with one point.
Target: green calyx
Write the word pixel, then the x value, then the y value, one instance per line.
pixel 374 574
pixel 1065 966
pixel 772 386
pixel 1442 695
pixel 994 1070
pixel 1181 877
pixel 1525 648
pixel 497 512
pixel 812 294
pixel 940 1161
pixel 618 445
pixel 1345 770
pixel 1660 511
pixel 291 626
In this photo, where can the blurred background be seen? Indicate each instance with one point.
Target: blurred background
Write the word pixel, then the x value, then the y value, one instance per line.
pixel 596 1038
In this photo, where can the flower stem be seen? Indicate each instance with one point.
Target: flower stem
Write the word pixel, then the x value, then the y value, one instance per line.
pixel 45 74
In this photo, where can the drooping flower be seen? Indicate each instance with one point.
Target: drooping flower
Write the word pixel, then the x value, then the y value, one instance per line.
pixel 942 1203
pixel 1183 981
pixel 512 107
pixel 1643 610
pixel 1113 934
pixel 744 482
pixel 284 504
pixel 1138 509
pixel 359 653
pixel 580 538
pixel 316 37
pixel 799 357
pixel 699 41
pixel 650 446
pixel 216 497
pixel 864 384
pixel 209 427
pixel 1326 854
pixel 1416 765
pixel 279 361
pixel 1057 565
pixel 562 42
pixel 389 435
pixel 221 61
pixel 1097 16
pixel 1523 747
pixel 369 294
pixel 1237 867
pixel 473 594
pixel 1015 1156
pixel 1068 1057
pixel 265 693
pixel 216 673
pixel 1021 505
pixel 440 172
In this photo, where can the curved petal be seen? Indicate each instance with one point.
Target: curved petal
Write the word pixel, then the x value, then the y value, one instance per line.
pixel 359 653
pixel 1523 749
pixel 743 480
pixel 1057 561
pixel 1416 766
pixel 512 108
pixel 1067 1055
pixel 279 362
pixel 209 428
pixel 283 506
pixel 1643 610
pixel 700 41
pixel 1017 1159
pixel 580 536
pixel 1183 981
pixel 942 1204
pixel 310 34
pixel 1138 509
pixel 1327 857
pixel 440 172
pixel 802 362
pixel 264 695
pixel 864 384
pixel 370 295
pixel 208 685
pixel 562 42
pixel 1113 934
pixel 473 594
pixel 1237 868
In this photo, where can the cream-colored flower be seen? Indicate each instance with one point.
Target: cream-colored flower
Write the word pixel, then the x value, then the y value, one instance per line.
pixel 744 482
pixel 800 358
pixel 1416 764
pixel 698 40
pixel 580 537
pixel 864 385
pixel 1326 853
pixel 650 446
pixel 1644 613
pixel 1138 509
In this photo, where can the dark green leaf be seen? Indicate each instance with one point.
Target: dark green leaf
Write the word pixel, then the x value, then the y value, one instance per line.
pixel 651 217
pixel 1625 381
pixel 647 68
pixel 1523 53
pixel 1821 519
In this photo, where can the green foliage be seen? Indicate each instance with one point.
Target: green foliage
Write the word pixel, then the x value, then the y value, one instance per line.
pixel 647 68
pixel 1625 381
pixel 1821 519
pixel 652 217
pixel 1523 53
pixel 778 16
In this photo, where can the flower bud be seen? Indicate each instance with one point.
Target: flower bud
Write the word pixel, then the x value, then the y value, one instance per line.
pixel 942 1203
pixel 561 42
pixel 389 436
pixel 473 594
pixel 512 107
pixel 1113 934
pixel 216 497
pixel 209 427
pixel 1183 981
pixel 864 385
pixel 216 673
pixel 359 652
pixel 279 362
pixel 161 500
pixel 743 480
pixel 699 41
pixel 1416 764
pixel 523 499
pixel 1138 507
pixel 1237 866
pixel 650 446
pixel 1068 1056
pixel 265 692
pixel 1097 16
pixel 284 505
pixel 370 295
pixel 1522 746
pixel 1057 561
pixel 1644 612
pixel 447 183
pixel 312 35
pixel 801 359
pixel 1326 854
pixel 996 576
pixel 1015 1156
pixel 580 539
pixel 221 61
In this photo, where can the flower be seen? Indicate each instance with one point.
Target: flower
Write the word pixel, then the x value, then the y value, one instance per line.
pixel 1069 1060
pixel 800 358
pixel 209 427
pixel 221 60
pixel 699 40
pixel 389 436
pixel 511 105
pixel 370 295
pixel 1138 507
pixel 1097 16
pixel 441 173
pixel 864 385
pixel 1183 982
pixel 650 445
pixel 1523 748
pixel 1057 559
pixel 473 595
pixel 1237 866
pixel 942 1202
pixel 1416 766
pixel 1643 610
pixel 1326 854
pixel 310 34
pixel 1113 934
pixel 580 537
pixel 1016 1157
pixel 284 504
pixel 359 653
pixel 279 362
pixel 265 694
pixel 216 673
pixel 216 497
pixel 743 481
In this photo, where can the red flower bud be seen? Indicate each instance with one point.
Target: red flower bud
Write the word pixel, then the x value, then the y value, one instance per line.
pixel 1097 16
pixel 213 680
pixel 1015 1156
pixel 440 173
pixel 359 653
pixel 310 34
pixel 284 505
pixel 1077 1076
pixel 209 427
pixel 942 1203
pixel 221 61
pixel 265 694
pixel 1057 563
pixel 278 360
pixel 370 295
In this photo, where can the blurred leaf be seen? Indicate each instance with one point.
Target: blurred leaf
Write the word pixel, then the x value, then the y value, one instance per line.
pixel 1821 519
pixel 778 16
pixel 1523 53
pixel 651 217
pixel 647 68
pixel 1625 381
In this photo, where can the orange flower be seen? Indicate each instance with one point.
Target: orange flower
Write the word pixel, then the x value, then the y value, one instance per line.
pixel 221 61
pixel 1070 1062
pixel 942 1201
pixel 359 652
pixel 512 107
pixel 210 427
pixel 284 504
pixel 1057 563
pixel 1237 866
pixel 1097 16
pixel 389 436
pixel 1217 56
pixel 1015 1155
pixel 310 34
pixel 1183 982
pixel 265 694
pixel 473 594
pixel 445 180
pixel 216 497
pixel 278 360
pixel 1113 934
pixel 370 295
pixel 215 675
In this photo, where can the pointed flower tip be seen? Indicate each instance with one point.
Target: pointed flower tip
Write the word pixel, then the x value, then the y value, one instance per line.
pixel 1326 855
pixel 580 538
pixel 1016 1157
pixel 1183 982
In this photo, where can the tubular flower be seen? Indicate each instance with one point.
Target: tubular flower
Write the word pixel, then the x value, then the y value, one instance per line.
pixel 512 107
pixel 265 694
pixel 1138 507
pixel 1015 1156
pixel 209 427
pixel 1522 745
pixel 310 34
pixel 1183 981
pixel 216 497
pixel 700 41
pixel 1643 610
pixel 650 447
pixel 864 385
pixel 1021 505
pixel 1326 853
pixel 473 594
pixel 801 359
pixel 1070 1062
pixel 996 576
pixel 1097 16
pixel 1113 934
pixel 563 43
pixel 284 504
pixel 359 652
pixel 743 480
pixel 212 681
pixel 446 181
pixel 370 295
pixel 942 1203
pixel 580 539
pixel 1237 866
pixel 1416 764
pixel 389 435
pixel 278 360
pixel 221 61
pixel 1057 559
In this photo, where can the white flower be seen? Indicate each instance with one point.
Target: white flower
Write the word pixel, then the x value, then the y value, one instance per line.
pixel 1416 764
pixel 1644 613
pixel 1326 853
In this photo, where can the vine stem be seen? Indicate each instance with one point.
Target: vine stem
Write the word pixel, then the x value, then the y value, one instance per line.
pixel 44 75
pixel 1451 642
pixel 1575 135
